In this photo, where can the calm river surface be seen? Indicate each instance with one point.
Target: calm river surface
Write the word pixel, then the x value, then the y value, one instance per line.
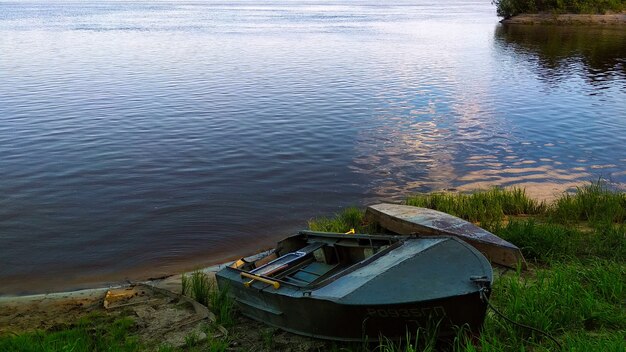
pixel 144 138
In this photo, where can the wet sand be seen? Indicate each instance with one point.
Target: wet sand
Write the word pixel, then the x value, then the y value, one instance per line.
pixel 157 320
pixel 20 286
pixel 43 311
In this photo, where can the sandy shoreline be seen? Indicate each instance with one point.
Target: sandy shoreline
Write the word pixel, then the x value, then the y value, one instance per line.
pixel 44 311
pixel 546 192
pixel 159 318
pixel 568 19
pixel 171 283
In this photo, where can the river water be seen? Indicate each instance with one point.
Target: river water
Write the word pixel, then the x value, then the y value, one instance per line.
pixel 142 138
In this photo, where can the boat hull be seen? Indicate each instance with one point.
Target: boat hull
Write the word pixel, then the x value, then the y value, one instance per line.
pixel 335 321
pixel 406 220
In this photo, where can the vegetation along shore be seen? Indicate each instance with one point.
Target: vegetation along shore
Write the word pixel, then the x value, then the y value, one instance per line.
pixel 575 289
pixel 562 11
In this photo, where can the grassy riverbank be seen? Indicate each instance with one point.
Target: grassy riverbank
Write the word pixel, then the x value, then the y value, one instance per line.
pixel 575 288
pixel 508 8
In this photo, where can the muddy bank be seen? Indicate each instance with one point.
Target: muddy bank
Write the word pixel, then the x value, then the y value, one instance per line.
pixel 161 317
pixel 568 19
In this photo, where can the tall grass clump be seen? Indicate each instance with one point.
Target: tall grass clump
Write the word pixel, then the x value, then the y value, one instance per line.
pixel 423 340
pixel 607 241
pixel 223 305
pixel 199 287
pixel 543 242
pixel 594 202
pixel 508 8
pixel 548 242
pixel 482 206
pixel 344 221
pixel 185 285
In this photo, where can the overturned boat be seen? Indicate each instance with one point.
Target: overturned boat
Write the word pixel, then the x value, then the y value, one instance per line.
pixel 407 219
pixel 352 287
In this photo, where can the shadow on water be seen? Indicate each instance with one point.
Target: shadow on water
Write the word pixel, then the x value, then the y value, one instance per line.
pixel 598 53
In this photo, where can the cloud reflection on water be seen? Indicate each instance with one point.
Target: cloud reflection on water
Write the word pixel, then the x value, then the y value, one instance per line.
pixel 460 131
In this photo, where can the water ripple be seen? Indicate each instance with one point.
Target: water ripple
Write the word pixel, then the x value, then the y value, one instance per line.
pixel 144 138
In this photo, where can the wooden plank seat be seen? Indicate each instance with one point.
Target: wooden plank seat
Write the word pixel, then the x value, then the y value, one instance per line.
pixel 309 273
pixel 286 261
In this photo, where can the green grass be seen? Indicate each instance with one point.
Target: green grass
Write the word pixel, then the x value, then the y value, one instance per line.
pixel 199 287
pixel 222 304
pixel 595 203
pixel 344 221
pixel 584 342
pixel 267 335
pixel 576 286
pixel 422 340
pixel 93 333
pixel 588 223
pixel 507 8
pixel 580 304
pixel 571 296
pixel 216 345
pixel 546 242
pixel 484 207
pixel 541 242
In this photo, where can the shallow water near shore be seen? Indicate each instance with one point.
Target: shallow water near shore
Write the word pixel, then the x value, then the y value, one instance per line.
pixel 139 139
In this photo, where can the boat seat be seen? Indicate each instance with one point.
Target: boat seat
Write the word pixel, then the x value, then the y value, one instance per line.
pixel 311 272
pixel 285 261
pixel 317 268
pixel 294 281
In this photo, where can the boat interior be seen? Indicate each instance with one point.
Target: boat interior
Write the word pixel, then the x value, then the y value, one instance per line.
pixel 310 258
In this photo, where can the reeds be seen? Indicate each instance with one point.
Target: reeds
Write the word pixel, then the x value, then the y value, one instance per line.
pixel 483 206
pixel 424 340
pixel 199 287
pixel 548 242
pixel 222 304
pixel 344 221
pixel 595 203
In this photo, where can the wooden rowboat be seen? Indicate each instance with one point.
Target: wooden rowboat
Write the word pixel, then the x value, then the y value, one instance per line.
pixel 358 287
pixel 406 219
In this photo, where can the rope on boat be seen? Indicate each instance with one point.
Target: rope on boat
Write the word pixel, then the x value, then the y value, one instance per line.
pixel 484 297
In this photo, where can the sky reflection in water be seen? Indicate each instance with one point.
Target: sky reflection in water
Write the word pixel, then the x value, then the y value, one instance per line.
pixel 143 138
